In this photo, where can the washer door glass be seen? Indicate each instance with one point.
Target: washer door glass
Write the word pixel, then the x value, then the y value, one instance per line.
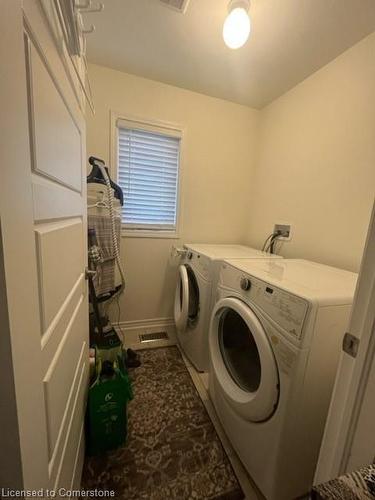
pixel 193 309
pixel 239 351
pixel 181 300
pixel 186 303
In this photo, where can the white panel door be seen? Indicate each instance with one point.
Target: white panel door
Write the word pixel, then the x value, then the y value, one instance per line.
pixel 43 252
pixel 349 440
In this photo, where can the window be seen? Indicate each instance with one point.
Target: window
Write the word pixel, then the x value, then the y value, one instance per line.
pixel 148 173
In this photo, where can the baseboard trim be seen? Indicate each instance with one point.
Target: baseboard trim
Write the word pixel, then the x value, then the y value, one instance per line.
pixel 144 324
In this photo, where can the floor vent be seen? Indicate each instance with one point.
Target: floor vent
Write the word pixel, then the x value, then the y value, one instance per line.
pixel 179 5
pixel 153 337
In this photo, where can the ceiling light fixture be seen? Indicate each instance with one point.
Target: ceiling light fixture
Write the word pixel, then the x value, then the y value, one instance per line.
pixel 236 29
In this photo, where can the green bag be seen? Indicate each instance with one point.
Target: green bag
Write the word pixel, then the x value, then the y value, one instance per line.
pixel 107 410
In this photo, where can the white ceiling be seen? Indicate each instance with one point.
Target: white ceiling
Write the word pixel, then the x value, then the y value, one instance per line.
pixel 290 39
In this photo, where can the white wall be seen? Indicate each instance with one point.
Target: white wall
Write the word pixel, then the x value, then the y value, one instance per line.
pixel 315 162
pixel 220 141
pixel 308 158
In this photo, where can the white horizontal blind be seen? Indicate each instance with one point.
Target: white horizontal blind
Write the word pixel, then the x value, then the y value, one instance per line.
pixel 148 168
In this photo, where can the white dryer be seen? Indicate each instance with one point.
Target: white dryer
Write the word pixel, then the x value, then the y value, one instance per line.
pixel 196 284
pixel 274 342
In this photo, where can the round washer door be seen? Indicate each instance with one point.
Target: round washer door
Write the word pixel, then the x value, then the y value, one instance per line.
pixel 181 299
pixel 186 301
pixel 243 360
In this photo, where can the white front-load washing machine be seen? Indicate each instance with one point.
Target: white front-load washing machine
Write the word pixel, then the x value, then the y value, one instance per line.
pixel 196 283
pixel 274 342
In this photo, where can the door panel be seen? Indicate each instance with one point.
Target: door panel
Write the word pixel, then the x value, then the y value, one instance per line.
pixel 79 460
pixel 58 380
pixel 73 446
pixel 54 334
pixel 43 228
pixel 57 153
pixel 56 137
pixel 43 243
pixel 73 419
pixel 19 283
pixel 51 199
pixel 60 264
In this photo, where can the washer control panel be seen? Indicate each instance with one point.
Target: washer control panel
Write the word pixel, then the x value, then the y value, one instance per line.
pixel 199 263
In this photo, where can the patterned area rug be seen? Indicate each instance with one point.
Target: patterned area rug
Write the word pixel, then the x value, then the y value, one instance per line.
pixel 173 450
pixel 358 485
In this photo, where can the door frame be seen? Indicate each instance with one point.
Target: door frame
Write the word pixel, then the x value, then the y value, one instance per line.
pixel 348 441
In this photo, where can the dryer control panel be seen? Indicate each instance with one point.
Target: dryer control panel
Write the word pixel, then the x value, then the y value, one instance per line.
pixel 285 309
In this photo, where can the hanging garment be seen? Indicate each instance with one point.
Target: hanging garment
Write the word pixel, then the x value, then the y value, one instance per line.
pixel 104 281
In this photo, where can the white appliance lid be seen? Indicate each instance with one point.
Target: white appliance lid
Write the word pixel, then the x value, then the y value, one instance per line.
pixel 217 252
pixel 314 281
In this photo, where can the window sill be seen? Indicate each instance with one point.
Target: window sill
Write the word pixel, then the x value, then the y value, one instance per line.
pixel 140 233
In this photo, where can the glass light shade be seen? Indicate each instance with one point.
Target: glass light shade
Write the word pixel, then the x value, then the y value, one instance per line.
pixel 236 29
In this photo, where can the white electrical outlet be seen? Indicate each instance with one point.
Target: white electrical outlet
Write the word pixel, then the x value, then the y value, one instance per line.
pixel 285 231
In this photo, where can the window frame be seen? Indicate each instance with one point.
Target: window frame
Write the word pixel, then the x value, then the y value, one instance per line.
pixel 160 127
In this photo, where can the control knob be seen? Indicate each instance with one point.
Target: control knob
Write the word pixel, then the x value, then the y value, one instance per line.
pixel 245 284
pixel 190 255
